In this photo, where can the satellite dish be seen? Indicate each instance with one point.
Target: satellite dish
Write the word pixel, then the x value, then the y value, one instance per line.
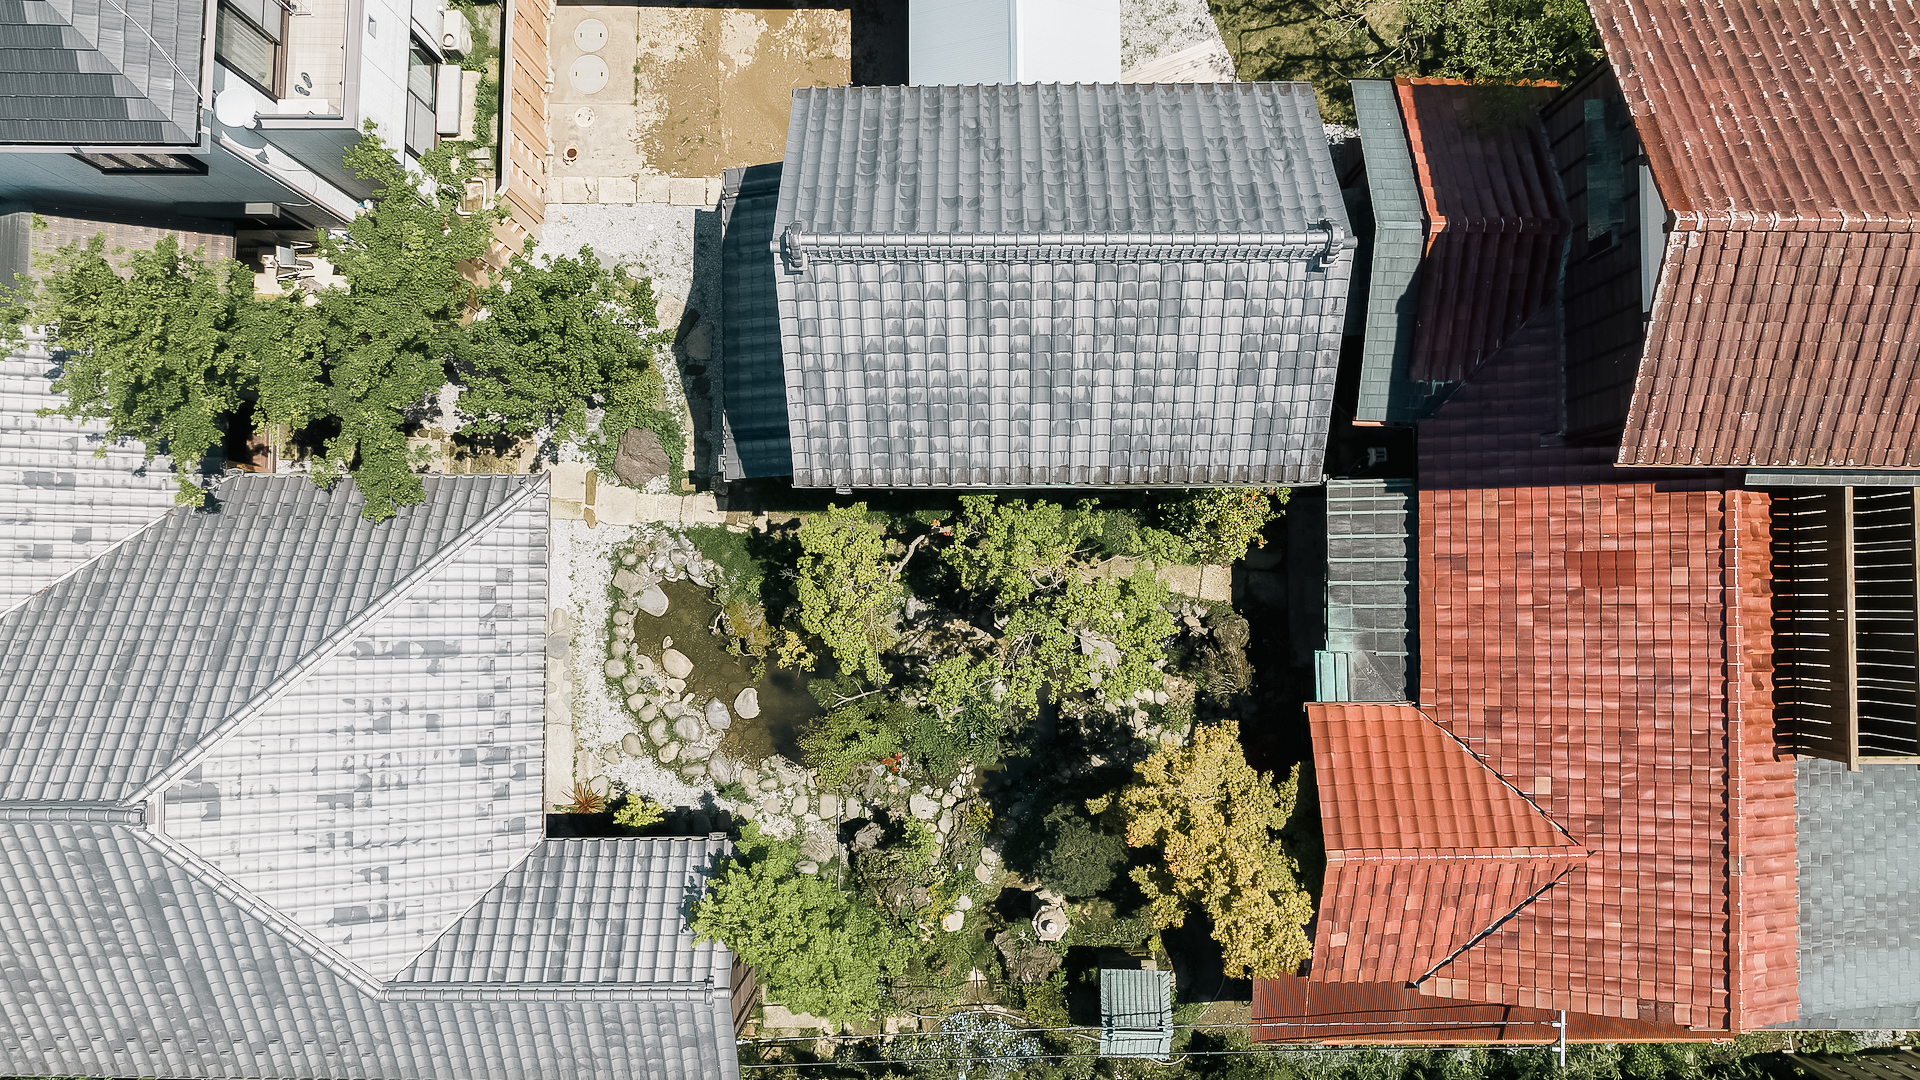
pixel 233 109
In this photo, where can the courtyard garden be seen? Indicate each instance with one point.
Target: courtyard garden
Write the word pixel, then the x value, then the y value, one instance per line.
pixel 971 755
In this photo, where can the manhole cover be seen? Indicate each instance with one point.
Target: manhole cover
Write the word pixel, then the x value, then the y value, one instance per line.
pixel 590 35
pixel 583 116
pixel 588 74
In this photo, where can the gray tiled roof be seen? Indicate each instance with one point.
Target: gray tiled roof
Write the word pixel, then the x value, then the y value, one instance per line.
pixel 1856 834
pixel 1048 285
pixel 1399 239
pixel 289 753
pixel 115 960
pixel 92 72
pixel 1369 590
pixel 115 672
pixel 586 911
pixel 60 505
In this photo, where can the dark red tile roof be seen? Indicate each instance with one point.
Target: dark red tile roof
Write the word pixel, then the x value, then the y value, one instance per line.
pixel 1599 637
pixel 1496 221
pixel 1426 847
pixel 1295 1009
pixel 1784 138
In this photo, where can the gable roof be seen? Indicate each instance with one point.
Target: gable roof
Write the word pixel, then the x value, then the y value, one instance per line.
pixel 275 756
pixel 1428 849
pixel 1601 640
pixel 1782 139
pixel 88 72
pixel 1053 285
pixel 61 504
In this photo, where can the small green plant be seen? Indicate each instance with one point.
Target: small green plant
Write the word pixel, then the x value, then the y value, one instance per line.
pixel 583 800
pixel 639 813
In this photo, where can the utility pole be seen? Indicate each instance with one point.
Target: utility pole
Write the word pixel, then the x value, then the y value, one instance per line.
pixel 1562 1025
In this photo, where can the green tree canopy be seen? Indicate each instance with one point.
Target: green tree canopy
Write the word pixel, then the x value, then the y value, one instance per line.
pixel 150 351
pixel 1216 824
pixel 847 594
pixel 816 949
pixel 558 334
pixel 387 341
pixel 1004 551
pixel 1327 42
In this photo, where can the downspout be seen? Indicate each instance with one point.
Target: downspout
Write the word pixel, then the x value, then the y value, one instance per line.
pixel 505 179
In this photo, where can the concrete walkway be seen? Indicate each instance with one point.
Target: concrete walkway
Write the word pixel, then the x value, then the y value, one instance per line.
pixel 578 495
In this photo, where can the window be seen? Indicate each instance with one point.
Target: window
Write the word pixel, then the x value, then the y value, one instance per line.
pixel 423 72
pixel 247 38
pixel 149 164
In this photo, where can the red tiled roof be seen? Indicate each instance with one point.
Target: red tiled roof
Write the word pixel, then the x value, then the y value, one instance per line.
pixel 1427 848
pixel 1781 349
pixel 1784 138
pixel 1599 638
pixel 1295 1009
pixel 1496 221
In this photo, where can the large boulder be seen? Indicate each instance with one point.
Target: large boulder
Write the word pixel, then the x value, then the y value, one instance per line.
pixel 922 807
pixel 747 705
pixel 675 664
pixel 640 458
pixel 653 601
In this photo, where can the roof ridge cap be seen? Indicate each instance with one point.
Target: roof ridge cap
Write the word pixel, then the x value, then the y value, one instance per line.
pixel 191 864
pixel 1572 849
pixel 1491 927
pixel 1825 221
pixel 338 641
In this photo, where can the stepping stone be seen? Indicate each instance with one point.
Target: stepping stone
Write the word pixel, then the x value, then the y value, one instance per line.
pixel 922 807
pixel 615 669
pixel 675 664
pixel 829 807
pixel 954 921
pixel 657 733
pixel 983 874
pixel 669 753
pixel 687 727
pixel 653 601
pixel 626 580
pixel 636 702
pixel 634 746
pixel 963 903
pixel 747 705
pixel 718 717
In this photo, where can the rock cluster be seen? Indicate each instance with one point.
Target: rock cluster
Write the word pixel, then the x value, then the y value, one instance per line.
pixel 682 732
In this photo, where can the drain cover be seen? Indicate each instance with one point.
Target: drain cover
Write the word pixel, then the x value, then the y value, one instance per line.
pixel 588 74
pixel 590 35
pixel 583 116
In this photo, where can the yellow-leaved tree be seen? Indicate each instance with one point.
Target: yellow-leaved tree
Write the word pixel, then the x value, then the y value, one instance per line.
pixel 1216 823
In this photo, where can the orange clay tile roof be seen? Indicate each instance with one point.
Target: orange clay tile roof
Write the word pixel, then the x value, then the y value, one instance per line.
pixel 1783 138
pixel 1599 637
pixel 1496 221
pixel 1427 848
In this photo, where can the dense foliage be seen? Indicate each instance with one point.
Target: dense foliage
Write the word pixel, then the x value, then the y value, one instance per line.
pixel 815 948
pixel 1328 42
pixel 848 596
pixel 151 352
pixel 170 350
pixel 1215 824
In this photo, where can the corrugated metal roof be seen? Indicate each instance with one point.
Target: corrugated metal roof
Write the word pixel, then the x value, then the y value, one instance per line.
pixel 1399 240
pixel 60 504
pixel 1047 285
pixel 1369 587
pixel 753 400
pixel 1136 1013
pixel 88 72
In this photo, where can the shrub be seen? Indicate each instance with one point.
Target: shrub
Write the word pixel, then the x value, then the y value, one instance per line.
pixel 639 813
pixel 1220 524
pixel 1077 857
pixel 848 597
pixel 841 741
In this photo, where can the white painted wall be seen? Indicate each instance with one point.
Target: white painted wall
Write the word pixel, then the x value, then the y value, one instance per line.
pixel 969 42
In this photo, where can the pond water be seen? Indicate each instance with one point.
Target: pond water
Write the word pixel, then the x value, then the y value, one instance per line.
pixel 785 704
